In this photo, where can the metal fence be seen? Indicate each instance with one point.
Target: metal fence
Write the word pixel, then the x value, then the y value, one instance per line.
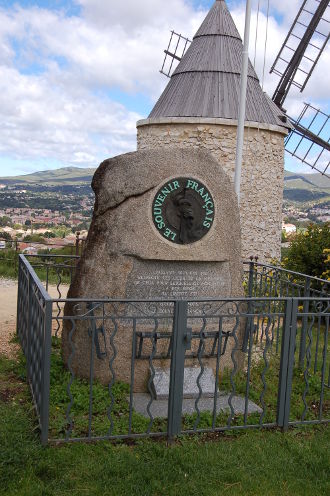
pixel 263 279
pixel 276 282
pixel 14 247
pixel 268 352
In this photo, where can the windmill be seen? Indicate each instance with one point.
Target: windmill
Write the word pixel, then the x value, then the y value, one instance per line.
pixel 308 140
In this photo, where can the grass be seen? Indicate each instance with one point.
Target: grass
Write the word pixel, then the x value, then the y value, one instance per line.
pixel 8 264
pixel 118 414
pixel 253 462
pixel 110 416
pixel 7 271
pixel 308 383
pixel 246 463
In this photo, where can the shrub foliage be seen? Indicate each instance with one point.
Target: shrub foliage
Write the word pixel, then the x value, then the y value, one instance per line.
pixel 309 250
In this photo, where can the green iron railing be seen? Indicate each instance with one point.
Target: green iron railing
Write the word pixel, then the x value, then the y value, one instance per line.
pixel 264 375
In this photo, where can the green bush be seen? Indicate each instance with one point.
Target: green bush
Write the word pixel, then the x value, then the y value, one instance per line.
pixel 30 238
pixel 5 235
pixel 307 253
pixel 5 221
pixel 49 234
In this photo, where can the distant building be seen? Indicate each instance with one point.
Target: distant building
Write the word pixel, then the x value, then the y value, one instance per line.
pixel 289 228
pixel 31 250
pixel 199 109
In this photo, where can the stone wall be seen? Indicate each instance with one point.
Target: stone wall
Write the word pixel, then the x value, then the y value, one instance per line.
pixel 262 170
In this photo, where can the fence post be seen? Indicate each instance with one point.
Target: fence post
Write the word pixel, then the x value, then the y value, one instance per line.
pixel 302 348
pixel 249 321
pixel 180 343
pixel 18 315
pixel 77 242
pixel 15 257
pixel 29 328
pixel 47 343
pixel 287 363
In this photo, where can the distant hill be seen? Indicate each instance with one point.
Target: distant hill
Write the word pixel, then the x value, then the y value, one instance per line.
pixel 306 181
pixel 68 176
pixel 297 187
pixel 306 187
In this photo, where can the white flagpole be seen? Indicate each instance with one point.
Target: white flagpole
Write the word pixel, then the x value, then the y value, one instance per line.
pixel 241 115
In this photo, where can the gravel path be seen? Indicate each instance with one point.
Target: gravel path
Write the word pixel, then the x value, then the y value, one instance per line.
pixel 8 303
pixel 8 298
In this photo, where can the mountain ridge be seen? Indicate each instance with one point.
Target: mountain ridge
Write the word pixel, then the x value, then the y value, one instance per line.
pixel 306 181
pixel 78 175
pixel 63 175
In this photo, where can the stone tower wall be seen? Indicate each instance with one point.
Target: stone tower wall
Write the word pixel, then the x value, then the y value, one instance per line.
pixel 262 171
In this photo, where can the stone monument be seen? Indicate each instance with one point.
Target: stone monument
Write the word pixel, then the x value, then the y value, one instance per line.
pixel 165 225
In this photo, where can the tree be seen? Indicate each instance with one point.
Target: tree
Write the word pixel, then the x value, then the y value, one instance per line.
pixel 83 226
pixel 308 251
pixel 326 274
pixel 5 221
pixel 33 238
pixel 5 235
pixel 49 234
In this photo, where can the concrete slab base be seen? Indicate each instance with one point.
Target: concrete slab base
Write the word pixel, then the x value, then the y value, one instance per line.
pixel 161 383
pixel 159 408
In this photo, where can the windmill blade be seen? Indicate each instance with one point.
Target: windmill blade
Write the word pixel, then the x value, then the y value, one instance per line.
pixel 320 50
pixel 176 49
pixel 309 140
pixel 302 48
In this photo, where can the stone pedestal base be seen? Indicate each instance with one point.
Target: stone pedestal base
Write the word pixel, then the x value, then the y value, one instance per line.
pixel 161 383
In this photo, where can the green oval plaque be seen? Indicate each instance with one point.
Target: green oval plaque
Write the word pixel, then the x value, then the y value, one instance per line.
pixel 183 210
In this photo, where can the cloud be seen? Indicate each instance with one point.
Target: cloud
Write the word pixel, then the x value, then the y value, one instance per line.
pixel 131 15
pixel 40 121
pixel 58 72
pixel 113 44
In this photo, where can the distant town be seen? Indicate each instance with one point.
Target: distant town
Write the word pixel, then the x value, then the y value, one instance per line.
pixel 49 208
pixel 44 216
pixel 300 216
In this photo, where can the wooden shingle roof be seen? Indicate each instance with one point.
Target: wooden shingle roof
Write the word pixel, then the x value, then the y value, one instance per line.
pixel 206 82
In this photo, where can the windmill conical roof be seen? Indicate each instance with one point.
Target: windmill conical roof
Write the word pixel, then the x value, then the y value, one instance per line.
pixel 206 83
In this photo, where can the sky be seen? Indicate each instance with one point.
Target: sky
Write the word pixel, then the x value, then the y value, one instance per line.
pixel 76 75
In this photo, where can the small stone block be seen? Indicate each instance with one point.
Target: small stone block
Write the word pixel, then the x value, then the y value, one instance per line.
pixel 161 383
pixel 159 408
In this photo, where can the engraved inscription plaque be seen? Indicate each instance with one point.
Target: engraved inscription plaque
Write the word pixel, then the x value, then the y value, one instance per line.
pixel 178 280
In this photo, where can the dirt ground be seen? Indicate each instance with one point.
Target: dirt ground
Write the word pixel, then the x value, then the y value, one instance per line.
pixel 8 303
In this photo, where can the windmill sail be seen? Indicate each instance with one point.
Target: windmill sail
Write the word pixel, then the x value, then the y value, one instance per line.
pixel 309 140
pixel 176 49
pixel 302 48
